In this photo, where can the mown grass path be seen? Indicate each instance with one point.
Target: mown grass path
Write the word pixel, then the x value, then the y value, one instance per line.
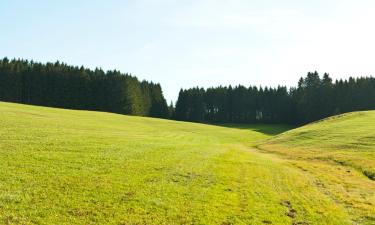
pixel 76 167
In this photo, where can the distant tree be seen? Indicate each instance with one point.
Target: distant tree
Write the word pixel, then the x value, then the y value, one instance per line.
pixel 181 111
pixel 159 107
pixel 171 110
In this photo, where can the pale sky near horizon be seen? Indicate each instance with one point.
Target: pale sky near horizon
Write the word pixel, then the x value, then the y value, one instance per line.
pixel 187 43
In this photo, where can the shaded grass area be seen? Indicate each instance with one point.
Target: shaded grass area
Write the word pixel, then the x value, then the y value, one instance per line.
pixel 268 129
pixel 76 167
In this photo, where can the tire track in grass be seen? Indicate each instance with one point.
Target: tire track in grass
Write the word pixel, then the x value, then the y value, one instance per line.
pixel 304 203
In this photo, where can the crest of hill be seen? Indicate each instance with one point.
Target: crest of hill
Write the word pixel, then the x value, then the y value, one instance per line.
pixel 355 130
pixel 347 139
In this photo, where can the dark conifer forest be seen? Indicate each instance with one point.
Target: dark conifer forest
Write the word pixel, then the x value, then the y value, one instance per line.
pixel 64 86
pixel 314 98
pixel 60 85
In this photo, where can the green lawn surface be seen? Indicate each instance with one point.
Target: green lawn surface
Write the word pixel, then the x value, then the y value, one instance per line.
pixel 79 167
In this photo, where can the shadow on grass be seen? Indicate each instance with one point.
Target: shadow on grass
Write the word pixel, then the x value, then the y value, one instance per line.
pixel 269 129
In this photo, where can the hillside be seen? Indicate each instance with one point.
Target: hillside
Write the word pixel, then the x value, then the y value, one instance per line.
pixel 79 167
pixel 348 139
pixel 340 151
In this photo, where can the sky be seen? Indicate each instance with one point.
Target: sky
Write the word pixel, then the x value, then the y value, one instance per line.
pixel 188 43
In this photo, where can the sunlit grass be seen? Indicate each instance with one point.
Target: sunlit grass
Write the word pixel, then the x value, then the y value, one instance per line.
pixel 340 152
pixel 76 167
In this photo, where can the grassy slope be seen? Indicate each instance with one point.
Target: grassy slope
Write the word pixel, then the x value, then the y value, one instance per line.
pixel 340 151
pixel 75 167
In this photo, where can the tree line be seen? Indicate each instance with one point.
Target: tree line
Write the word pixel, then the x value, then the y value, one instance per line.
pixel 314 98
pixel 60 85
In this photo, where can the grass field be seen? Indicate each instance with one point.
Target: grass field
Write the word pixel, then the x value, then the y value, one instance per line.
pixel 340 152
pixel 77 167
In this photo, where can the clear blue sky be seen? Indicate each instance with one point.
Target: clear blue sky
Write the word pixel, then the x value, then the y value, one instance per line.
pixel 185 43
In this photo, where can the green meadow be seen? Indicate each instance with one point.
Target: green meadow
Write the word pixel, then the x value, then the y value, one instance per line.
pixel 79 167
pixel 340 152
